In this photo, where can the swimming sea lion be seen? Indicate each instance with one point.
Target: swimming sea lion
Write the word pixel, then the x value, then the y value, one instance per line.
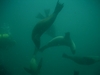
pixel 43 25
pixel 87 60
pixel 61 41
pixel 34 67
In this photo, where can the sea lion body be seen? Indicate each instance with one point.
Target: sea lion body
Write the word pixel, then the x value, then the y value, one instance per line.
pixel 61 41
pixel 43 25
pixel 57 41
pixel 89 60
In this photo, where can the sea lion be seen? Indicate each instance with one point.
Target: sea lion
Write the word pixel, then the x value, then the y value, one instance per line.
pixel 51 31
pixel 61 41
pixel 43 25
pixel 87 60
pixel 34 67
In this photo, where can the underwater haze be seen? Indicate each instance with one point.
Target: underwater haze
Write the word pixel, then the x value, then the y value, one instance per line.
pixel 79 17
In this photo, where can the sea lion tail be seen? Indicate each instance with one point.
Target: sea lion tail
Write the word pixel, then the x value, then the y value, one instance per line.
pixel 58 7
pixel 65 55
pixel 40 16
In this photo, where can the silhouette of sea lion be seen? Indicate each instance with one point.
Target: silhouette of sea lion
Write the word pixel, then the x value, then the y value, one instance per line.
pixel 89 60
pixel 61 41
pixel 43 25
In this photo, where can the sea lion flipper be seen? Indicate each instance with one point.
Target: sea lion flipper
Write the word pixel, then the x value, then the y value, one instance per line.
pixel 40 16
pixel 58 7
pixel 47 11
